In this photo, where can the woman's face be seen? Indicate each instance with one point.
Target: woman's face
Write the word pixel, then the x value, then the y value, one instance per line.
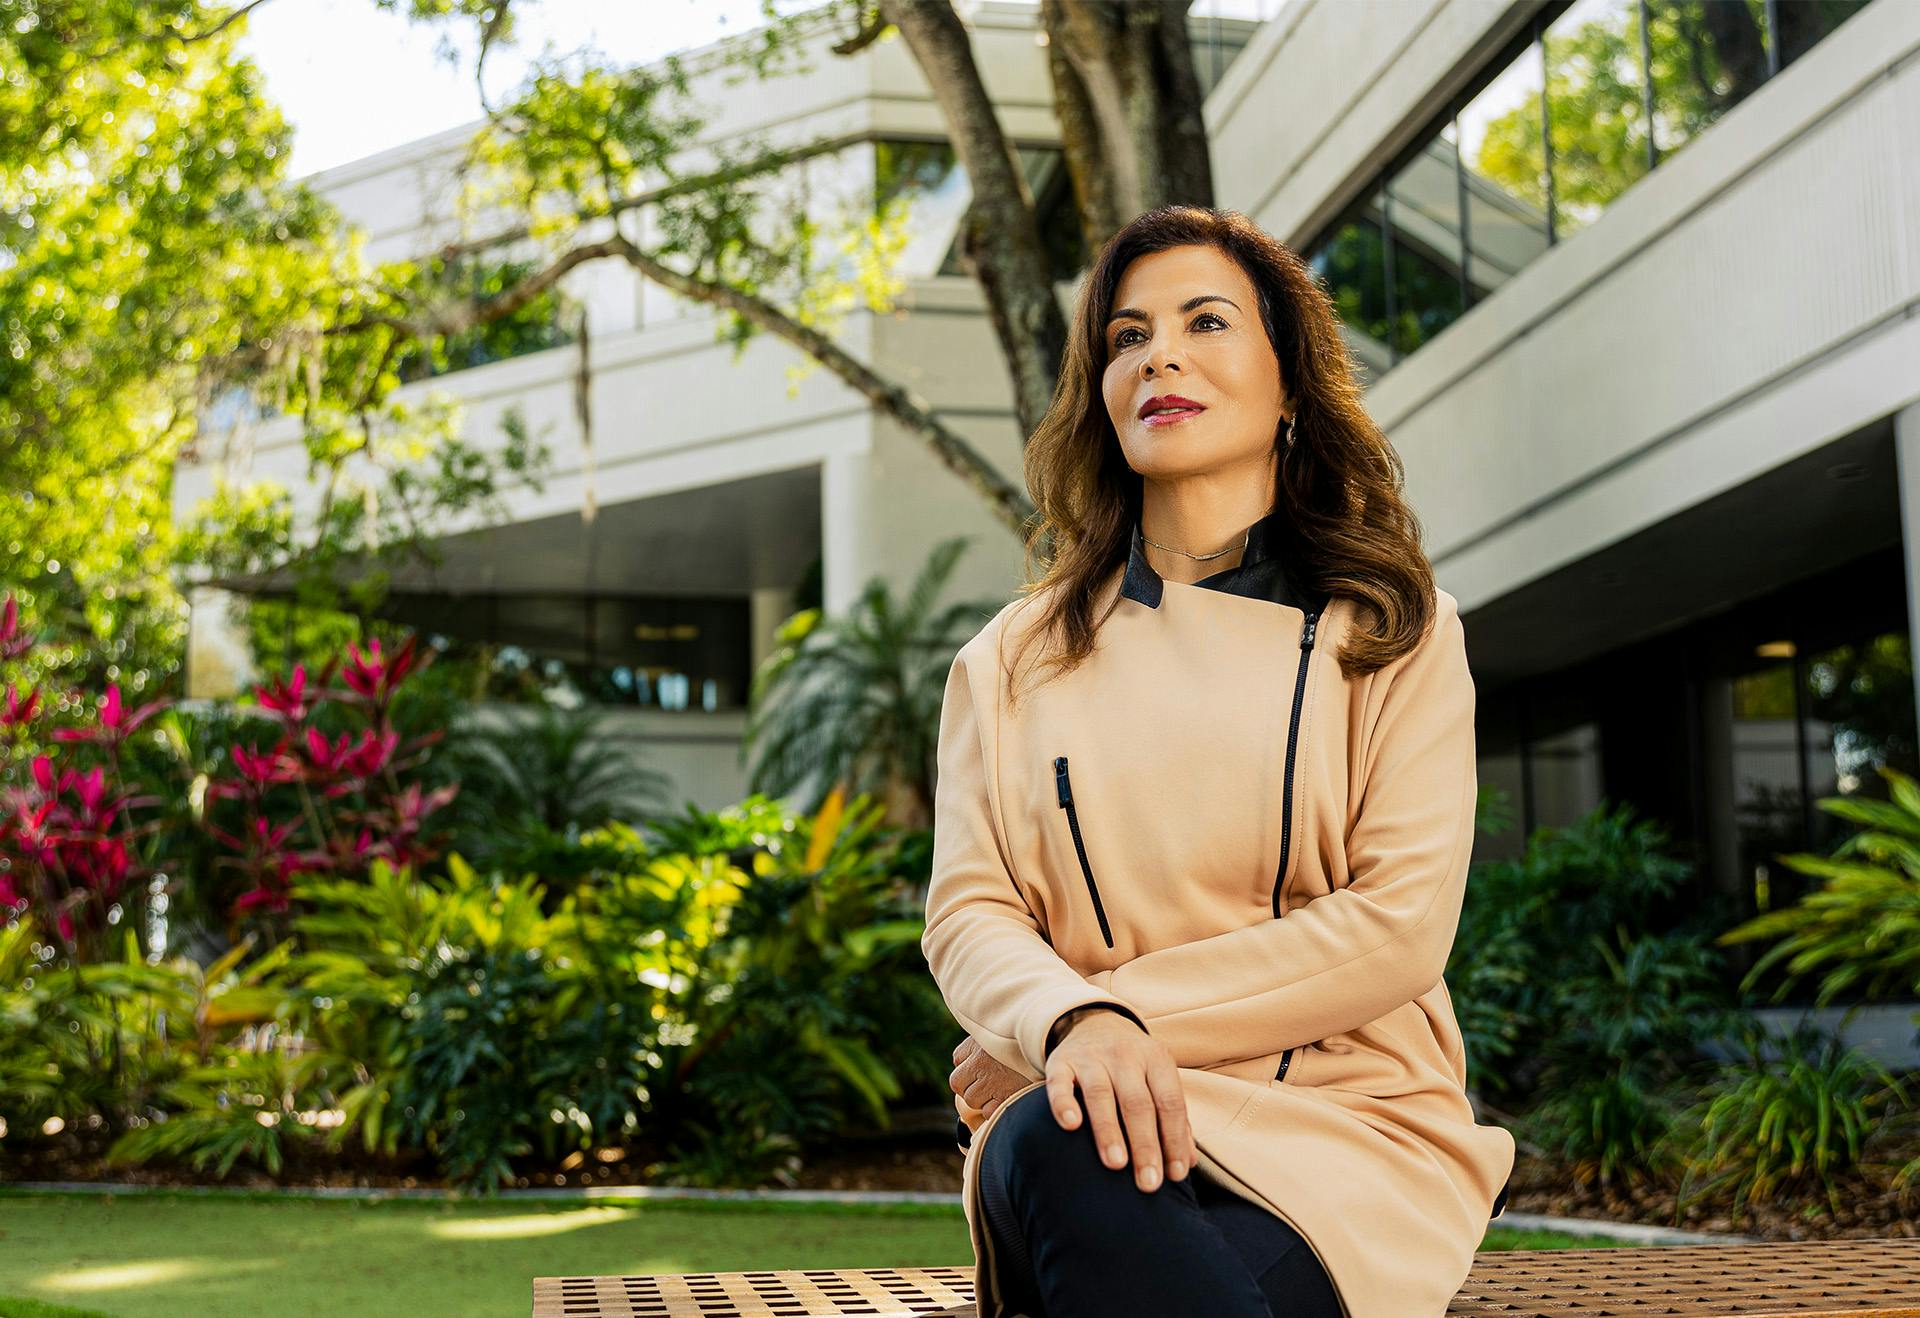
pixel 1186 321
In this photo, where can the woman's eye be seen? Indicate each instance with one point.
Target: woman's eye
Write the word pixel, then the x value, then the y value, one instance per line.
pixel 1120 340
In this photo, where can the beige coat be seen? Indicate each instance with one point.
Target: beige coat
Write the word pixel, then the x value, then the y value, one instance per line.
pixel 1322 1064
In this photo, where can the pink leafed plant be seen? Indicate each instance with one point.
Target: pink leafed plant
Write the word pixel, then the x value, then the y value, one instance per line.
pixel 70 842
pixel 316 801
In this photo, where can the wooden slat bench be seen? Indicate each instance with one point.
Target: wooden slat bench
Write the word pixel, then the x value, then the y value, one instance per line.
pixel 1808 1279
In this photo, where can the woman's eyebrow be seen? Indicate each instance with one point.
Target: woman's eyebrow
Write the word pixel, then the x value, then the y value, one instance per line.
pixel 1134 313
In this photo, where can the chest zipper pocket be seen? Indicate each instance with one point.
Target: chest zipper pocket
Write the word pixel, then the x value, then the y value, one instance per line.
pixel 1063 788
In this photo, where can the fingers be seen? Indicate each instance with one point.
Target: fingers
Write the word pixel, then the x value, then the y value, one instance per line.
pixel 1145 1111
pixel 1060 1095
pixel 1103 1116
pixel 1170 1102
pixel 1140 1109
pixel 1129 1093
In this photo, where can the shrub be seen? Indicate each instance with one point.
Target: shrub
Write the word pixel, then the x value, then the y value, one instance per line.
pixel 728 1016
pixel 1539 988
pixel 1861 928
pixel 69 842
pixel 314 802
pixel 1767 1126
pixel 1626 1038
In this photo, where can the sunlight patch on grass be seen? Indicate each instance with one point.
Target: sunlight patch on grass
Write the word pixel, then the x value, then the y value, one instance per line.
pixel 120 1276
pixel 525 1225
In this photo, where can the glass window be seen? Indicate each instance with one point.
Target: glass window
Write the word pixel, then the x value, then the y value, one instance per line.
pixel 926 178
pixel 1808 726
pixel 1506 175
pixel 1621 84
pixel 542 322
pixel 1769 818
pixel 1566 775
pixel 665 653
pixel 1597 105
pixel 1804 23
pixel 1351 262
pixel 1423 205
pixel 923 177
pixel 1708 56
pixel 1859 712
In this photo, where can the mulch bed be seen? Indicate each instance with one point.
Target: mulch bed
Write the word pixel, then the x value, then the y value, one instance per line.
pixel 921 1155
pixel 1868 1205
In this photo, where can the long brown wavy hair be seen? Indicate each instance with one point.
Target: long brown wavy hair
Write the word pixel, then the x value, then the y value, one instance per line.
pixel 1347 529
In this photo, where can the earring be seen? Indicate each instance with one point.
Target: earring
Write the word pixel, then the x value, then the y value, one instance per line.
pixel 1289 443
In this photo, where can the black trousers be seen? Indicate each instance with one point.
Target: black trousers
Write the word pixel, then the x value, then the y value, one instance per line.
pixel 1072 1236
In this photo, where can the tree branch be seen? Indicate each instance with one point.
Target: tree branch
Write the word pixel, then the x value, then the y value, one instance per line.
pixel 188 38
pixel 906 408
pixel 1000 236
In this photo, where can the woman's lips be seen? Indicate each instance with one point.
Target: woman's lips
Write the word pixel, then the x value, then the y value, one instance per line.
pixel 1170 418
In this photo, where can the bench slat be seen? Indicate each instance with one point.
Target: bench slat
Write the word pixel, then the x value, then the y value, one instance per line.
pixel 1801 1279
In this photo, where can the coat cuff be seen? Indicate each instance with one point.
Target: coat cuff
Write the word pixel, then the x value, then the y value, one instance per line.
pixel 1040 1022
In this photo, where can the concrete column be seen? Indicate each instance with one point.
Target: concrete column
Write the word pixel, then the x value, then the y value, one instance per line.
pixel 219 658
pixel 1906 452
pixel 843 513
pixel 769 607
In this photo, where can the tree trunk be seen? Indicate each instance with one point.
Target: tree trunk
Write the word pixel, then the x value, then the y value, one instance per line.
pixel 1128 102
pixel 1000 234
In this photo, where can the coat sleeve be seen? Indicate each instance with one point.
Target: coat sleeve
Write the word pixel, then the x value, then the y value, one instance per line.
pixel 1348 957
pixel 998 974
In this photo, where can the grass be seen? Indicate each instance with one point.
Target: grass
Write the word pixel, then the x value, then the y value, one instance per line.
pixel 35 1309
pixel 158 1256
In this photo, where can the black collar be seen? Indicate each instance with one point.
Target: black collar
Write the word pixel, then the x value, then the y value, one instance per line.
pixel 1260 574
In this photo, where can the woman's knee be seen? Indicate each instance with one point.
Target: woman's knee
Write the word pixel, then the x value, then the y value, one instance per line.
pixel 1029 1134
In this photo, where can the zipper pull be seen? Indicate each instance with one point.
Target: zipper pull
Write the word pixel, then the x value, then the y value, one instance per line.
pixel 1060 784
pixel 1306 634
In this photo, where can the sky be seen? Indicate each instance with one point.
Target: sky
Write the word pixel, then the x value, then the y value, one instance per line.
pixel 354 79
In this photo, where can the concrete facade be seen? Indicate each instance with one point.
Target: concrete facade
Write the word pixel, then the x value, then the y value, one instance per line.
pixel 1667 461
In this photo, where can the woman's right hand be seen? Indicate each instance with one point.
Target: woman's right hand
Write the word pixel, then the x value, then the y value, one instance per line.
pixel 1124 1075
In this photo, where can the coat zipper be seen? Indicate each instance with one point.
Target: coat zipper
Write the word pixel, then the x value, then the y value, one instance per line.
pixel 1286 815
pixel 1064 788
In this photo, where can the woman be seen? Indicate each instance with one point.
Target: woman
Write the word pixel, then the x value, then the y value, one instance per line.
pixel 1202 820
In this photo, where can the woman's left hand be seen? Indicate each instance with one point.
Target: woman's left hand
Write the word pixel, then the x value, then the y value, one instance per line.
pixel 980 1079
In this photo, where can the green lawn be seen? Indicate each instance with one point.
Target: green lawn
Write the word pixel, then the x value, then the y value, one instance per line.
pixel 154 1256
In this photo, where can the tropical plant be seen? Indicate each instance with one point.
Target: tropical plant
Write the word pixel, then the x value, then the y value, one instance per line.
pixel 754 823
pixel 103 1045
pixel 312 801
pixel 532 784
pixel 1526 943
pixel 1608 1126
pixel 1787 1115
pixel 1626 1033
pixel 825 996
pixel 1487 970
pixel 1860 929
pixel 856 701
pixel 69 841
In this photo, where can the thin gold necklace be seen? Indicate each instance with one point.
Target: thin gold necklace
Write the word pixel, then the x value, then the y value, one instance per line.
pixel 1198 557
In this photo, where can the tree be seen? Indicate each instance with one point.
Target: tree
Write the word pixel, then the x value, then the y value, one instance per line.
pixel 585 146
pixel 159 276
pixel 155 268
pixel 1706 57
